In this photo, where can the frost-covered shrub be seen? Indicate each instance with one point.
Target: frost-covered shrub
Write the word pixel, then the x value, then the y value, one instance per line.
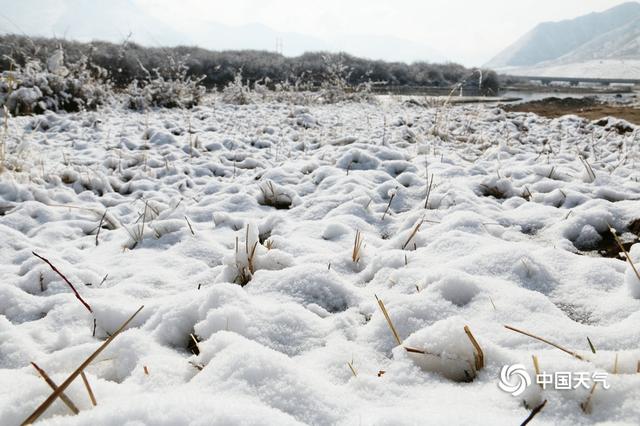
pixel 335 85
pixel 237 91
pixel 334 88
pixel 297 92
pixel 172 89
pixel 242 92
pixel 36 87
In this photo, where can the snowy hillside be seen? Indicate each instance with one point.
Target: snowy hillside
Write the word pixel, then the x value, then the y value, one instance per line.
pixel 258 238
pixel 598 45
pixel 549 41
pixel 621 43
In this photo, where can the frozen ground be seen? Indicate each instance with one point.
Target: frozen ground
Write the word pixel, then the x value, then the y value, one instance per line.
pixel 510 236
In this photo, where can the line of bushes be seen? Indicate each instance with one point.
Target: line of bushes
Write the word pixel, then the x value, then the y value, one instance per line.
pixel 45 73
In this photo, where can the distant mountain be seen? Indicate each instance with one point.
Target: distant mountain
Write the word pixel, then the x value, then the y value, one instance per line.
pixel 88 20
pixel 620 43
pixel 612 34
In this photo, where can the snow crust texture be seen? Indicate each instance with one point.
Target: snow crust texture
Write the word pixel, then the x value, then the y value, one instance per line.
pixel 235 226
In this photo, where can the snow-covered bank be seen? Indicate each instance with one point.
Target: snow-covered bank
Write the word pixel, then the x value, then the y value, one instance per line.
pixel 507 237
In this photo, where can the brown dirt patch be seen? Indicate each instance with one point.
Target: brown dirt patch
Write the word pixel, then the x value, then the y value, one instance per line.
pixel 588 107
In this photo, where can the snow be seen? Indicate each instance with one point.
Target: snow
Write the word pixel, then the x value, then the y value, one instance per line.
pixel 596 68
pixel 272 196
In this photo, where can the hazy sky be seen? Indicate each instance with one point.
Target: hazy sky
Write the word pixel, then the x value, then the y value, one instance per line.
pixel 470 32
pixel 464 30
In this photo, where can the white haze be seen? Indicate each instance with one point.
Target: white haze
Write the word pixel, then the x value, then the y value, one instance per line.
pixel 408 30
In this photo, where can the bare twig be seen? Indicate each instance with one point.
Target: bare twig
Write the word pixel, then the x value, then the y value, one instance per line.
pixel 86 305
pixel 534 413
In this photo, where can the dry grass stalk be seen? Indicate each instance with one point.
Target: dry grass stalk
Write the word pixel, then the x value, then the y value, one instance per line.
pixel 190 227
pixel 357 247
pixel 534 413
pixel 388 205
pixel 3 140
pixel 197 366
pixel 588 168
pixel 626 253
pixel 536 367
pixel 388 318
pixel 586 405
pixel 426 200
pixel 615 364
pixel 92 397
pixel 86 305
pixel 478 354
pixel 273 198
pixel 137 234
pixel 493 304
pixel 100 226
pixel 245 273
pixel 413 234
pixel 250 252
pixel 67 401
pixel 353 370
pixel 195 342
pixel 56 393
pixel 555 345
pixel 593 348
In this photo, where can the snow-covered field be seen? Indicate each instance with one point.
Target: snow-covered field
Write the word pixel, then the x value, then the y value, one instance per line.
pixel 506 239
pixel 597 68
